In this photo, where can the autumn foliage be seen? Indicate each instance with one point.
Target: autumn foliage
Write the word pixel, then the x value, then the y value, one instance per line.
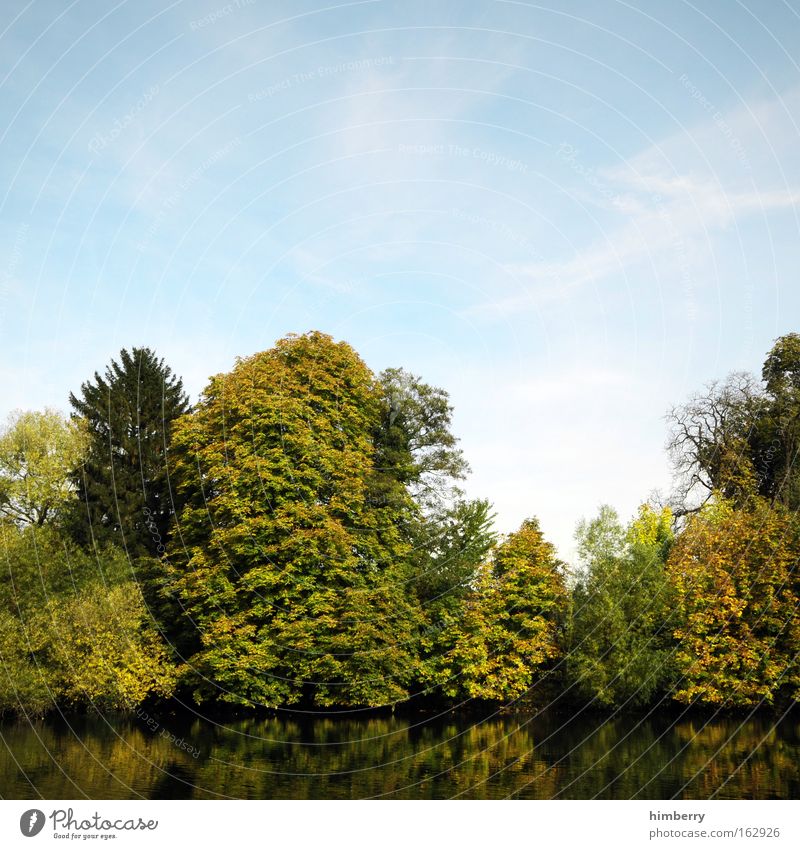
pixel 736 579
pixel 299 538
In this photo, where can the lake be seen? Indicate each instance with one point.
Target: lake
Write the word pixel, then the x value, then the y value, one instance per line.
pixel 427 757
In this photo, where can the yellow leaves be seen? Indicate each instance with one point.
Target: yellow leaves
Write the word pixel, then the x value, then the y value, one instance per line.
pixel 38 453
pixel 106 650
pixel 650 527
pixel 735 629
pixel 277 461
pixel 508 628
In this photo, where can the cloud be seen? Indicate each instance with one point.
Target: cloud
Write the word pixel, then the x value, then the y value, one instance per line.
pixel 666 206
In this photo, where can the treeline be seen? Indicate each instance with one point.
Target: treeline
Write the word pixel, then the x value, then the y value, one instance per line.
pixel 299 538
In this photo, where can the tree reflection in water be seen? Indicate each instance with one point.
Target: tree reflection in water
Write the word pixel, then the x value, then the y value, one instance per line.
pixel 328 757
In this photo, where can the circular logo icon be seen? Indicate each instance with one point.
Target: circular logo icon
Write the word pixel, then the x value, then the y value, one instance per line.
pixel 31 822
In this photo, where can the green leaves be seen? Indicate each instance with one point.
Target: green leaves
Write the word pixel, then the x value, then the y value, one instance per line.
pixel 310 546
pixel 320 558
pixel 415 444
pixel 620 635
pixel 281 538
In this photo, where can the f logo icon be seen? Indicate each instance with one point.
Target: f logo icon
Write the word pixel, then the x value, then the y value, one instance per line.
pixel 31 822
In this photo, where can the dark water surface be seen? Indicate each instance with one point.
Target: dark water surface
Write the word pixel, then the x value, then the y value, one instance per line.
pixel 522 756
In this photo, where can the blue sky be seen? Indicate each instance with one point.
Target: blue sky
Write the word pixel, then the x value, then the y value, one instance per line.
pixel 570 215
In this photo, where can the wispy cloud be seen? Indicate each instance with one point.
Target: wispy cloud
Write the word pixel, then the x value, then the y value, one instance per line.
pixel 658 214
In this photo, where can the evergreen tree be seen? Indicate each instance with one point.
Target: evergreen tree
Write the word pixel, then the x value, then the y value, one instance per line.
pixel 123 485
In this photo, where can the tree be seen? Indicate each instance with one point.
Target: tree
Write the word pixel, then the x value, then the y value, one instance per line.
pixel 620 636
pixel 38 452
pixel 104 649
pixel 123 485
pixel 741 438
pixel 450 537
pixel 295 576
pixel 777 447
pixel 710 441
pixel 736 585
pixel 601 540
pixel 415 444
pixel 450 547
pixel 73 626
pixel 25 687
pixel 509 631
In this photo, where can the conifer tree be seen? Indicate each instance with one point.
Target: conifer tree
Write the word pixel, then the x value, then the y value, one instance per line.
pixel 123 485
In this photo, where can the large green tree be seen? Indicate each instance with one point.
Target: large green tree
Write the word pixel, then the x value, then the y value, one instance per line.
pixel 620 637
pixel 123 485
pixel 295 575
